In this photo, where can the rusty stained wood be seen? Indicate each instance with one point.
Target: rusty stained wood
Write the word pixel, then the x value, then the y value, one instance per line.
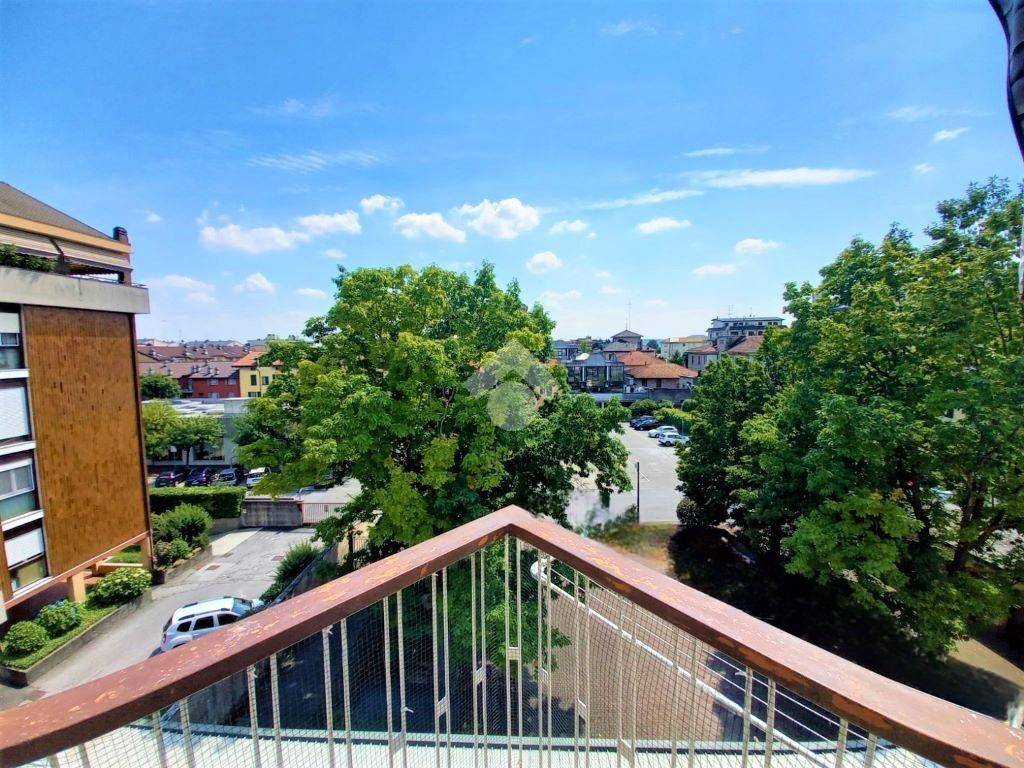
pixel 936 729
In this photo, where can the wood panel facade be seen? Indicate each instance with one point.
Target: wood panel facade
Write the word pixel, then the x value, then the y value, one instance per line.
pixel 84 401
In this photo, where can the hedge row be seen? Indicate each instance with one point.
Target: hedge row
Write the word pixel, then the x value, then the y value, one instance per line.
pixel 221 501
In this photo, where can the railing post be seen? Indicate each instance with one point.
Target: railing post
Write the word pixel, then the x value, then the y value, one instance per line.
pixel 254 724
pixel 275 706
pixel 328 698
pixel 346 699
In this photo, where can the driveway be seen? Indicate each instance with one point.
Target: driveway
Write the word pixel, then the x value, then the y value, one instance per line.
pixel 243 566
pixel 658 494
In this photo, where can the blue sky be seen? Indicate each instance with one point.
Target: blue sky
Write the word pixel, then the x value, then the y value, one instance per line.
pixel 676 160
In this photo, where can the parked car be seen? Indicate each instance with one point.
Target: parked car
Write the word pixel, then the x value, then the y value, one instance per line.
pixel 228 476
pixel 672 439
pixel 197 619
pixel 169 478
pixel 254 476
pixel 662 431
pixel 199 476
pixel 646 422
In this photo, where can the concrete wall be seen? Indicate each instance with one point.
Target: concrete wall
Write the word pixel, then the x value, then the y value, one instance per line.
pixel 265 512
pixel 45 289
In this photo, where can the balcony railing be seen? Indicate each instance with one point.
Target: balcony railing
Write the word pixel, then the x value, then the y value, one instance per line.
pixel 507 642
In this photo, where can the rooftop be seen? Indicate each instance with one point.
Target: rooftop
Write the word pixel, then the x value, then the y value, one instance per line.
pixel 14 202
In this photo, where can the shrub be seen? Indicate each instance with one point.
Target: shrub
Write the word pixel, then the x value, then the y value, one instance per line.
pixel 167 553
pixel 24 637
pixel 122 585
pixel 326 570
pixel 271 592
pixel 11 257
pixel 59 618
pixel 643 408
pixel 186 521
pixel 221 501
pixel 674 417
pixel 294 562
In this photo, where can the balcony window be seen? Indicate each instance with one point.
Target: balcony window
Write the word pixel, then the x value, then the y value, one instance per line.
pixel 17 489
pixel 14 422
pixel 26 554
pixel 10 340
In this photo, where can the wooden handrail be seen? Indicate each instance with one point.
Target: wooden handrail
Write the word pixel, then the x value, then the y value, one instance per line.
pixel 943 732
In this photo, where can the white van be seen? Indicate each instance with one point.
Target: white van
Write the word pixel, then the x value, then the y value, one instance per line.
pixel 254 476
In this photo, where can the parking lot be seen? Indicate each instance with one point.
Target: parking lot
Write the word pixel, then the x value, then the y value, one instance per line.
pixel 658 494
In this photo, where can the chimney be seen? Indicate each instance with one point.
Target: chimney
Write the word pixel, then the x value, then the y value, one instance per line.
pixel 121 234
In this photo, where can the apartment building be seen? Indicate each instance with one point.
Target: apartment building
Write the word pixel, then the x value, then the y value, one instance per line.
pixel 727 331
pixel 255 373
pixel 72 470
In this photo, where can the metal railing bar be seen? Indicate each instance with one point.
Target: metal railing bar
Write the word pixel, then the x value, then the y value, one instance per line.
pixel 387 681
pixel 934 729
pixel 328 697
pixel 508 656
pixel 275 708
pixel 346 698
pixel 186 734
pixel 254 723
pixel 769 725
pixel 158 736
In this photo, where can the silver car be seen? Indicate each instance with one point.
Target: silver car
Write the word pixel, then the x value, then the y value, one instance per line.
pixel 198 619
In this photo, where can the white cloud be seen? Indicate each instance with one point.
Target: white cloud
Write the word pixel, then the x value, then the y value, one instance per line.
pixel 575 226
pixel 232 237
pixel 923 168
pixel 319 108
pixel 255 283
pixel 329 223
pixel 629 27
pixel 416 225
pixel 661 224
pixel 755 245
pixel 152 217
pixel 542 262
pixel 198 297
pixel 948 134
pixel 182 282
pixel 502 220
pixel 314 160
pixel 657 304
pixel 726 151
pixel 312 293
pixel 334 253
pixel 783 177
pixel 712 270
pixel 646 198
pixel 603 274
pixel 911 113
pixel 611 290
pixel 375 203
pixel 555 297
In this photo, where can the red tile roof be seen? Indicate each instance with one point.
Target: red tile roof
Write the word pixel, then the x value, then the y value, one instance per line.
pixel 707 349
pixel 636 357
pixel 748 346
pixel 659 369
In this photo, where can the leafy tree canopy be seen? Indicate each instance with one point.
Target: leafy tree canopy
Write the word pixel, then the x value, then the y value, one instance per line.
pixel 380 394
pixel 159 386
pixel 165 427
pixel 874 448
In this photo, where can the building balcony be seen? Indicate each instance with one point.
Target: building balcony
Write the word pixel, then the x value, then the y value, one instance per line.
pixel 507 642
pixel 72 291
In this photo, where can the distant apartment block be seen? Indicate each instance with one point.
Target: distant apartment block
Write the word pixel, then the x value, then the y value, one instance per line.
pixel 72 470
pixel 726 331
pixel 255 373
pixel 680 345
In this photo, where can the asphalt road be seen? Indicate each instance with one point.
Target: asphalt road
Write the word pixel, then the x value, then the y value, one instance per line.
pixel 242 566
pixel 658 494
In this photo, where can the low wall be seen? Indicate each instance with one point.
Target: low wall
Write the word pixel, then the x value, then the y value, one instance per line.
pixel 265 512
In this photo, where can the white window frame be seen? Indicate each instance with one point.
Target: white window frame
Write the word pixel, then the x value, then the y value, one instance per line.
pixel 33 514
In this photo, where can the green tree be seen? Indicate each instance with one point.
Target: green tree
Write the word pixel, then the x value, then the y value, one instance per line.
pixel 158 386
pixel 381 395
pixel 165 427
pixel 678 358
pixel 885 468
pixel 398 389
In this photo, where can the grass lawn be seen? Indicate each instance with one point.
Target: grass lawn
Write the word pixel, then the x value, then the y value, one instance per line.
pixel 131 554
pixel 90 615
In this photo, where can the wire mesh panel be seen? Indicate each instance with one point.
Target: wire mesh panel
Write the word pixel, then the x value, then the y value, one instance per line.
pixel 502 659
